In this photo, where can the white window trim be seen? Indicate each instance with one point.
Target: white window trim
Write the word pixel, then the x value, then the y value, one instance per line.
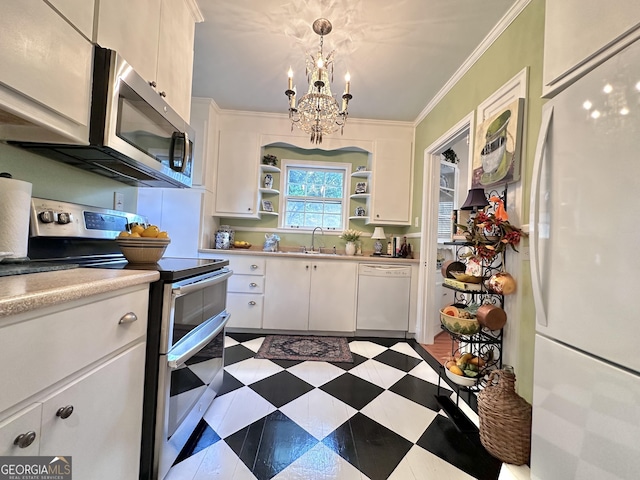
pixel 344 166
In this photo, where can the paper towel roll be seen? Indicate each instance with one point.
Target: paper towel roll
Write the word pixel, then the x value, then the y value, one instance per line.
pixel 15 204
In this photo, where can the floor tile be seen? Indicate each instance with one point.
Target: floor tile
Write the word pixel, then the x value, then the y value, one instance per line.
pixel 186 469
pixel 221 463
pixel 357 360
pixel 428 374
pixel 318 413
pixel 205 437
pixel 403 416
pixel 252 370
pixel 420 464
pixel 236 410
pixel 271 444
pixel 366 348
pixel 384 342
pixel 398 360
pixel 281 388
pixel 372 448
pixel 463 451
pixel 320 463
pixel 229 342
pixel 236 354
pixel 243 337
pixel 316 373
pixel 377 373
pixel 254 344
pixel 404 347
pixel 288 363
pixel 352 390
pixel 229 384
pixel 417 390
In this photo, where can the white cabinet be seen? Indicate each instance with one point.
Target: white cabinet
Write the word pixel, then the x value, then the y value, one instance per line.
pixel 78 12
pixel 316 295
pixel 580 33
pixel 391 183
pixel 245 291
pixel 156 38
pixel 236 194
pixel 204 121
pixel 45 79
pixel 78 386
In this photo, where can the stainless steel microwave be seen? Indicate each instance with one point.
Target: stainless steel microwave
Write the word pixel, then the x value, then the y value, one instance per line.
pixel 135 137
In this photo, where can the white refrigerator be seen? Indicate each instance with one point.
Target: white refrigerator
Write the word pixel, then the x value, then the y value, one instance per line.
pixel 585 267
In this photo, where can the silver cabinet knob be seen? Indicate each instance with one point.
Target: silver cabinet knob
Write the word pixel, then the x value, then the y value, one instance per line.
pixel 307 267
pixel 253 267
pixel 253 285
pixel 252 303
pixel 128 318
pixel 65 412
pixel 163 94
pixel 315 267
pixel 25 439
pixel 153 83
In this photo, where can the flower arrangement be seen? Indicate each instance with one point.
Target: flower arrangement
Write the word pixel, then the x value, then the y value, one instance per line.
pixel 350 235
pixel 270 160
pixel 491 234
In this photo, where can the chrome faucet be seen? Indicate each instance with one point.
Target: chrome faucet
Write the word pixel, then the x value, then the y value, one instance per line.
pixel 313 238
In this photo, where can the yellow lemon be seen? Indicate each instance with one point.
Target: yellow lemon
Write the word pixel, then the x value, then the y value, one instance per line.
pixel 124 234
pixel 456 370
pixel 151 231
pixel 136 235
pixel 137 229
pixel 163 234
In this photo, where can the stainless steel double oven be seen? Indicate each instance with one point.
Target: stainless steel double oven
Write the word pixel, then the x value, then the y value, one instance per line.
pixel 187 318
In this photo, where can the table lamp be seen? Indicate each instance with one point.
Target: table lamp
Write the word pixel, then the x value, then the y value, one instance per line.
pixel 378 234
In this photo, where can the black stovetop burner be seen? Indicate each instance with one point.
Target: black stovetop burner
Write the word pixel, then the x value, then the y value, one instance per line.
pixel 20 268
pixel 170 268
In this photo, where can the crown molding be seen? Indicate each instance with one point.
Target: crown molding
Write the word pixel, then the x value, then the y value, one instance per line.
pixel 195 11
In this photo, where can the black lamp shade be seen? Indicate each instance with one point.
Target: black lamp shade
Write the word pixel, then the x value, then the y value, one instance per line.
pixel 475 199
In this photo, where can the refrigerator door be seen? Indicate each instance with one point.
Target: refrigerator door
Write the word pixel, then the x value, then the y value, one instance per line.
pixel 585 204
pixel 586 417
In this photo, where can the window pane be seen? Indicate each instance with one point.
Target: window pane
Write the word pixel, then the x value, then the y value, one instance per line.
pixel 314 207
pixel 294 218
pixel 333 208
pixel 332 221
pixel 333 192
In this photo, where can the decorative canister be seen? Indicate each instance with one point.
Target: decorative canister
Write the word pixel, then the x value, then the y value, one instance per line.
pixel 268 181
pixel 230 231
pixel 505 418
pixel 222 240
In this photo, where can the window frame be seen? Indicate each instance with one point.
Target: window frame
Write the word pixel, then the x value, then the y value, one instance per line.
pixel 454 194
pixel 344 167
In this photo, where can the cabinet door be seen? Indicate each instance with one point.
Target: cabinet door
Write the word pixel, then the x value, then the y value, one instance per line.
pixel 104 430
pixel 332 298
pixel 286 299
pixel 131 27
pixel 245 310
pixel 237 175
pixel 78 12
pixel 175 55
pixel 576 30
pixel 391 190
pixel 24 422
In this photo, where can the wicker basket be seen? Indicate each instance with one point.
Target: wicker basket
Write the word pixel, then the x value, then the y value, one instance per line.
pixel 505 419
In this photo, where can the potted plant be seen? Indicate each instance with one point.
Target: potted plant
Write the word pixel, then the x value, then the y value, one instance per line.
pixel 350 236
pixel 271 160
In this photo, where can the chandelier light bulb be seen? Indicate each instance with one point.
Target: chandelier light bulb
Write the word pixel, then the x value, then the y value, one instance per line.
pixel 595 114
pixel 638 86
pixel 607 88
pixel 624 111
pixel 290 75
pixel 587 105
pixel 347 85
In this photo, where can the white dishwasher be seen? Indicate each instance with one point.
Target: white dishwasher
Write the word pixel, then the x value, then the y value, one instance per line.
pixel 383 297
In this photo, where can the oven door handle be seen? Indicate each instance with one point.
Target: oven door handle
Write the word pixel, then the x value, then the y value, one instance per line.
pixel 183 351
pixel 192 287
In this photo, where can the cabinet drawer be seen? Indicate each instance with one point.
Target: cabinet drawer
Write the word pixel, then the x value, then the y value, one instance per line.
pixel 246 265
pixel 53 344
pixel 246 284
pixel 27 420
pixel 245 310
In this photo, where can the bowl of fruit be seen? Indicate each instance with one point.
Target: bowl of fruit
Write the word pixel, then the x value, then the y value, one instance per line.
pixel 465 369
pixel 459 319
pixel 143 244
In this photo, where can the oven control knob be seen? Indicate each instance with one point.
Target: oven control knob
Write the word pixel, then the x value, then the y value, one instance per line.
pixel 64 218
pixel 46 217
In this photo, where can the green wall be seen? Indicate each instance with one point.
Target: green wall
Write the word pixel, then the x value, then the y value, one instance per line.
pixel 520 46
pixel 292 239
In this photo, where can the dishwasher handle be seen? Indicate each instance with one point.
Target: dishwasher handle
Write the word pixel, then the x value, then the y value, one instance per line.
pixel 385 270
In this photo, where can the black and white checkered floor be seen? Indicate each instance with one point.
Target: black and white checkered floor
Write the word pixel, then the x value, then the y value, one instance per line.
pixel 375 419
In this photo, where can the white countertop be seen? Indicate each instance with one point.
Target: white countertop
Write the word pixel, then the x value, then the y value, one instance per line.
pixel 367 258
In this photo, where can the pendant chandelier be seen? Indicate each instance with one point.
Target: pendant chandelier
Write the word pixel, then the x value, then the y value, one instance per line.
pixel 318 113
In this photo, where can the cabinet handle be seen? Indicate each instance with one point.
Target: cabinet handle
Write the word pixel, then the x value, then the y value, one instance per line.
pixel 65 412
pixel 253 284
pixel 307 267
pixel 315 266
pixel 253 267
pixel 377 215
pixel 252 303
pixel 153 83
pixel 128 318
pixel 249 209
pixel 25 439
pixel 162 94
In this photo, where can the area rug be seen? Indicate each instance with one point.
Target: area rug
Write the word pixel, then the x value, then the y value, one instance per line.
pixel 294 347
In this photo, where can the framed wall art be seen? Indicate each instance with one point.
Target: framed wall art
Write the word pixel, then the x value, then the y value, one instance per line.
pixel 267 206
pixel 361 187
pixel 498 146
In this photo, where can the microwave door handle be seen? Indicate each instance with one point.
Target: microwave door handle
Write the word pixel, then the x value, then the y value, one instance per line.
pixel 186 152
pixel 193 287
pixel 177 359
pixel 172 148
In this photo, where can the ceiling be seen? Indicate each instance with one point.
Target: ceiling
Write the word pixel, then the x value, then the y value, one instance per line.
pixel 399 54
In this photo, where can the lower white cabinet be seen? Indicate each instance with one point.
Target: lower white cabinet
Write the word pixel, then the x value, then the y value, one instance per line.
pixel 245 291
pixel 75 383
pixel 318 295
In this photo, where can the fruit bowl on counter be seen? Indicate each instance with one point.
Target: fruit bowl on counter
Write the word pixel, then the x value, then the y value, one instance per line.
pixel 143 245
pixel 241 244
pixel 464 370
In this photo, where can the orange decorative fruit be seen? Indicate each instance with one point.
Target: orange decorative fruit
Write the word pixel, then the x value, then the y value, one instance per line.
pixel 451 311
pixel 151 231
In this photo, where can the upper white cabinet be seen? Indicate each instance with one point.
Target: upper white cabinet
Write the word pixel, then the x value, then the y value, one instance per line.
pixel 78 12
pixel 156 38
pixel 581 33
pixel 45 79
pixel 237 170
pixel 391 179
pixel 204 121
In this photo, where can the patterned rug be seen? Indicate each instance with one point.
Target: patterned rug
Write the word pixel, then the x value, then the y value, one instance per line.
pixel 292 347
